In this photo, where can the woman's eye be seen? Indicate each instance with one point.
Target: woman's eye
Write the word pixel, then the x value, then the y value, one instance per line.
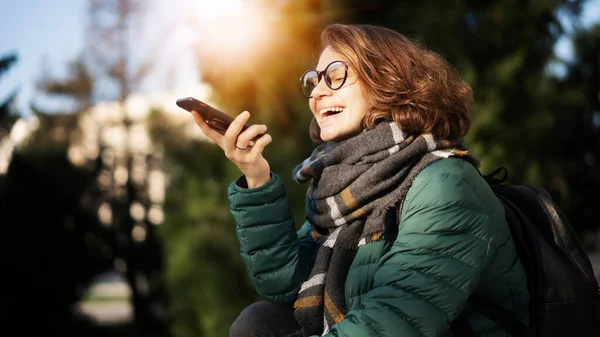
pixel 312 81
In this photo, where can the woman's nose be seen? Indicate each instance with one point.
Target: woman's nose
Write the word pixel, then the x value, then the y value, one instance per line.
pixel 321 90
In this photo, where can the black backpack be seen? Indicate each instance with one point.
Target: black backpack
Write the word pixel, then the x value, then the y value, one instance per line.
pixel 564 294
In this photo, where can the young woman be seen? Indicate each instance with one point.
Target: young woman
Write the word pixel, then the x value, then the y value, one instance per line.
pixel 401 229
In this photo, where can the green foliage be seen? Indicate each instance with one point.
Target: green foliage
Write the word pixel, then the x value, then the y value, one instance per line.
pixel 206 277
pixel 571 156
pixel 523 118
pixel 501 48
pixel 542 128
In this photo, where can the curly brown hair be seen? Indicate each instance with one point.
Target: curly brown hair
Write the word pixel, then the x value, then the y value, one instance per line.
pixel 403 81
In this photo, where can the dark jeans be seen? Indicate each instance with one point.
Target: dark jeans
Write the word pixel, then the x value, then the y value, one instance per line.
pixel 264 319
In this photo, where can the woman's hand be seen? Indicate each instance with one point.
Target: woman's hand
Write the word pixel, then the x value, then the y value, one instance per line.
pixel 240 149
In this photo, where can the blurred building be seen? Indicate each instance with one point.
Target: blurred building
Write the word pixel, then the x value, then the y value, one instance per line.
pixel 131 186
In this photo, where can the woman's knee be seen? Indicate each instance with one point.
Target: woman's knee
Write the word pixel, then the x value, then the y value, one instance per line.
pixel 248 321
pixel 263 319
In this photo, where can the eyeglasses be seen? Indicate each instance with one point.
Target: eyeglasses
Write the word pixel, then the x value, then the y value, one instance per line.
pixel 335 75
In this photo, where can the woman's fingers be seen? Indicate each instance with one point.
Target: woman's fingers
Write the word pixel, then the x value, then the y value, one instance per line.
pixel 260 144
pixel 245 139
pixel 242 148
pixel 206 129
pixel 233 131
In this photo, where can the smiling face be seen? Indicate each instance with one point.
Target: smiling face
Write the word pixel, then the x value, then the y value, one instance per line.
pixel 339 113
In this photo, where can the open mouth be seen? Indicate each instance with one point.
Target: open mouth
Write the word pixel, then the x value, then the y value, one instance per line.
pixel 326 112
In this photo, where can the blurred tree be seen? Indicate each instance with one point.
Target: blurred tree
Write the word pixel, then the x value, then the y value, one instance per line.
pixel 77 88
pixel 73 245
pixel 206 280
pixel 6 117
pixel 572 155
pixel 7 120
pixel 112 41
pixel 50 237
pixel 120 66
pixel 56 241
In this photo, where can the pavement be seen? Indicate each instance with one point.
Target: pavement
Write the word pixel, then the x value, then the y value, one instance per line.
pixel 112 305
pixel 120 311
pixel 106 313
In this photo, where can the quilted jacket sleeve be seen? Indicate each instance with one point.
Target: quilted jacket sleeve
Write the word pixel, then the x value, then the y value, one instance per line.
pixel 277 258
pixel 446 238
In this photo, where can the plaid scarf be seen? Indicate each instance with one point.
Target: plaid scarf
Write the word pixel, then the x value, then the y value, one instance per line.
pixel 354 183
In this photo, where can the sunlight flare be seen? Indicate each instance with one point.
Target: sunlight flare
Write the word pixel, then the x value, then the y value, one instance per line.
pixel 229 29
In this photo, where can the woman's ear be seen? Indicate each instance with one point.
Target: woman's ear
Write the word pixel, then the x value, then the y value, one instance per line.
pixel 314 131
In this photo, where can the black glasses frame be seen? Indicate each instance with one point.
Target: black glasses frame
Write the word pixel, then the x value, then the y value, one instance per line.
pixel 320 75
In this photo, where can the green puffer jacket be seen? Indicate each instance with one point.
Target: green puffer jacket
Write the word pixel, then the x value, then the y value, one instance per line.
pixel 452 240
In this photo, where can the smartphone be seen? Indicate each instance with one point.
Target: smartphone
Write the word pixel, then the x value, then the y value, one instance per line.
pixel 217 119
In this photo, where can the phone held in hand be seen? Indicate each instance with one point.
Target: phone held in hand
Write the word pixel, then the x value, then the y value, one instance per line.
pixel 215 118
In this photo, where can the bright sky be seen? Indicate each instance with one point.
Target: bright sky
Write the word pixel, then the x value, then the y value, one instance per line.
pixel 52 32
pixel 35 29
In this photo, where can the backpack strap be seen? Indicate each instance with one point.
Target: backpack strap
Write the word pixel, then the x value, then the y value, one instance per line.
pixel 491 178
pixel 461 327
pixel 499 315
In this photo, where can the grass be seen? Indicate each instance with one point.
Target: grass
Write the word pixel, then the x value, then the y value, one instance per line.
pixel 90 298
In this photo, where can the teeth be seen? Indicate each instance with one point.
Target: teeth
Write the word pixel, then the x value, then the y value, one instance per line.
pixel 333 109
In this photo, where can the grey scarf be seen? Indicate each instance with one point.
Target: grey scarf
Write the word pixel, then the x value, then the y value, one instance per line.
pixel 353 185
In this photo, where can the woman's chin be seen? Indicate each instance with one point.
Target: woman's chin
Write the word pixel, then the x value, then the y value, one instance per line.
pixel 328 135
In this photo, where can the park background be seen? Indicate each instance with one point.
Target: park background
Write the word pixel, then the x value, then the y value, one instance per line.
pixel 113 206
